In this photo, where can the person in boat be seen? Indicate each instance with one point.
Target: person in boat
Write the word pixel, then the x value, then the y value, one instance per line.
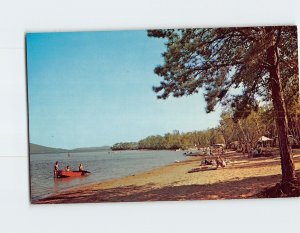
pixel 55 169
pixel 67 169
pixel 80 168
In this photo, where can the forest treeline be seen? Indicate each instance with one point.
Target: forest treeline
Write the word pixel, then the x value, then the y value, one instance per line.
pixel 244 132
pixel 172 141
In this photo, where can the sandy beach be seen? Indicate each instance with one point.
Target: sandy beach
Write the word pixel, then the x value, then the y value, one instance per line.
pixel 243 177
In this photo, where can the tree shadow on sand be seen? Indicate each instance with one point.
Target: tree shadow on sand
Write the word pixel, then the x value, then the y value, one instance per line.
pixel 233 189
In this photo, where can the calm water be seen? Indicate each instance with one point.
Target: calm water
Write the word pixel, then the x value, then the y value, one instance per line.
pixel 103 166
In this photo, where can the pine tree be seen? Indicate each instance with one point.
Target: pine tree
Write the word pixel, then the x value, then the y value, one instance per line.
pixel 257 61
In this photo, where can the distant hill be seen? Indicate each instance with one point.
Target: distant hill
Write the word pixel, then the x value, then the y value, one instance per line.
pixel 38 149
pixel 91 149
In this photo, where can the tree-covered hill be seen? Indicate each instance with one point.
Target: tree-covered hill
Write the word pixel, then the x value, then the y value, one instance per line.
pixel 38 149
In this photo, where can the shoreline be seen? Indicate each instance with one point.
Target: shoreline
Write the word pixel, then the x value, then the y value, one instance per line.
pixel 107 182
pixel 44 196
pixel 105 177
pixel 184 180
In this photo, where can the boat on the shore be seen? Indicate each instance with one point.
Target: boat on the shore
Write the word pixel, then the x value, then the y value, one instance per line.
pixel 65 174
pixel 193 153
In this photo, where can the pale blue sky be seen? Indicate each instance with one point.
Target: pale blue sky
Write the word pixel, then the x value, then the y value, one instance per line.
pixel 95 88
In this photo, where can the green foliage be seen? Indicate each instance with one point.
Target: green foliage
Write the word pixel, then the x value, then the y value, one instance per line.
pixel 220 60
pixel 153 142
pixel 258 123
pixel 262 62
pixel 174 141
pixel 125 146
pixel 293 115
pixel 245 131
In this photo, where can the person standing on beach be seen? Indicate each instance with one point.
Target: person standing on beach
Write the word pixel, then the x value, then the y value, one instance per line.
pixel 81 167
pixel 55 169
pixel 210 152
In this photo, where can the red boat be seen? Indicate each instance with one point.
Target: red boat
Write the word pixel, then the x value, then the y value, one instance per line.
pixel 64 174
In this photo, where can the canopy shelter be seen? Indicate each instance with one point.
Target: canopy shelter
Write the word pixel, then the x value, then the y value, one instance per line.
pixel 234 144
pixel 264 139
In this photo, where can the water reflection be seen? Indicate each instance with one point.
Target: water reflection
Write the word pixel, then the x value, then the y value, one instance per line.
pixel 60 183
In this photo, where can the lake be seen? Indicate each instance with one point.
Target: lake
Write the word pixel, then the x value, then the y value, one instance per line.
pixel 103 165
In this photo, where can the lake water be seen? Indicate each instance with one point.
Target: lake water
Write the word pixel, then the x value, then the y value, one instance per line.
pixel 103 165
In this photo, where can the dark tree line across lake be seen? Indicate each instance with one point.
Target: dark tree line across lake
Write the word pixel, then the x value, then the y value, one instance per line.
pixel 172 141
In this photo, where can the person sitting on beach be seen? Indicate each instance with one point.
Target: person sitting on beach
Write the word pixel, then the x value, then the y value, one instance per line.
pixel 67 169
pixel 55 169
pixel 207 162
pixel 220 162
pixel 80 168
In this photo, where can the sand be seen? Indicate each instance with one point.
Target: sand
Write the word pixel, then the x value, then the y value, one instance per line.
pixel 243 177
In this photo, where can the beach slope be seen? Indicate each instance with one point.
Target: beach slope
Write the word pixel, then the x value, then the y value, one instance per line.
pixel 242 178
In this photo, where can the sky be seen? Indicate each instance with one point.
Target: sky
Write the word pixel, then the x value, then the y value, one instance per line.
pixel 95 88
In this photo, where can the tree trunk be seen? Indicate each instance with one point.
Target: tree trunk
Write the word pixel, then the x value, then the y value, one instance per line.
pixel 246 149
pixel 287 164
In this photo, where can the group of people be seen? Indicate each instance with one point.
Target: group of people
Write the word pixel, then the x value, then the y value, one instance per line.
pixel 56 168
pixel 218 162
